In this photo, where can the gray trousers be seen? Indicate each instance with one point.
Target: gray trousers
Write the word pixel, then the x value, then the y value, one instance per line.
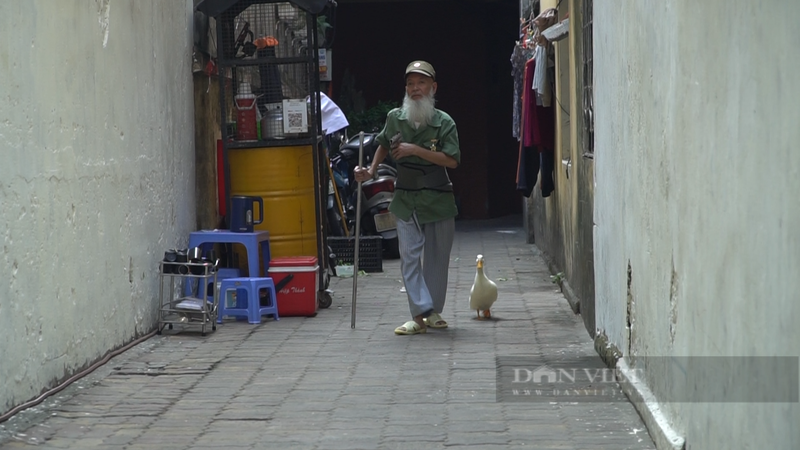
pixel 426 282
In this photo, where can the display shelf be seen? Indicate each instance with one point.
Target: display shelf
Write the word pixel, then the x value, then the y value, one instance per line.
pixel 264 143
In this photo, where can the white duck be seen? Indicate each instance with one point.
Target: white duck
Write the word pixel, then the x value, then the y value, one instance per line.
pixel 483 293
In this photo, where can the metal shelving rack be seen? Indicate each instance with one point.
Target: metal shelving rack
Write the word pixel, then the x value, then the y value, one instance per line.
pixel 271 48
pixel 187 310
pixel 286 69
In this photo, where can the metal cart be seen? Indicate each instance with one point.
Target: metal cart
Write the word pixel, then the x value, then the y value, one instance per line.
pixel 176 308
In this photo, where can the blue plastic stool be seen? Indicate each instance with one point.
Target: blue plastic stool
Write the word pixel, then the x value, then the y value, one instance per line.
pixel 192 290
pixel 252 309
pixel 222 274
pixel 251 241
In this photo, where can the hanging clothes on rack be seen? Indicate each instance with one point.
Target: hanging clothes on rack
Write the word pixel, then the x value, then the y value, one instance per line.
pixel 519 57
pixel 537 116
pixel 541 83
pixel 539 121
pixel 537 131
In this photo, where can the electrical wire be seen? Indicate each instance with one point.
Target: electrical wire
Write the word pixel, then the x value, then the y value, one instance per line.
pixel 555 96
pixel 75 377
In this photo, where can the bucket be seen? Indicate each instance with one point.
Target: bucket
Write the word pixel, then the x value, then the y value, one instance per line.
pixel 245 102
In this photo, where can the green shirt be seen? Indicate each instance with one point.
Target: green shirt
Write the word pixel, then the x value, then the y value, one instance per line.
pixel 440 136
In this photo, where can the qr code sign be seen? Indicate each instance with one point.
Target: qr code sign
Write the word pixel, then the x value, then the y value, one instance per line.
pixel 295 116
pixel 295 120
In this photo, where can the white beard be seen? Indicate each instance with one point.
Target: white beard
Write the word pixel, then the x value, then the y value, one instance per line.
pixel 419 111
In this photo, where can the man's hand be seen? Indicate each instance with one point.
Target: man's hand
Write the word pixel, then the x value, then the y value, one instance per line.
pixel 362 174
pixel 404 149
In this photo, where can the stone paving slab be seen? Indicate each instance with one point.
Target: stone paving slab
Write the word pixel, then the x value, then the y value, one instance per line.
pixel 315 383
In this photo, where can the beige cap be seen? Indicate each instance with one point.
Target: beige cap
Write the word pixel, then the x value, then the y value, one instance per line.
pixel 421 67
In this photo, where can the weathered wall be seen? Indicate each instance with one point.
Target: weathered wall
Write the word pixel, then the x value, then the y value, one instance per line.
pixel 562 223
pixel 696 197
pixel 96 130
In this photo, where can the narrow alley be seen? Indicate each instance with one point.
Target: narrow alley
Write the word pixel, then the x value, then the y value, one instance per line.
pixel 315 383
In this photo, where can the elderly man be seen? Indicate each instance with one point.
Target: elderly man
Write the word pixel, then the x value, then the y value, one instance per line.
pixel 423 141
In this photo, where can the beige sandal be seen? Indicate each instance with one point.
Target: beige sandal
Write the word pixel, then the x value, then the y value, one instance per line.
pixel 435 321
pixel 409 328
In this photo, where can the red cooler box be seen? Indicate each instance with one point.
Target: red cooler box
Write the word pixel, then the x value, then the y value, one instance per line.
pixel 298 295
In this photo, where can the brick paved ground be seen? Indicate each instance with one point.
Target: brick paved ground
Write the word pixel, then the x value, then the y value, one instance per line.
pixel 315 383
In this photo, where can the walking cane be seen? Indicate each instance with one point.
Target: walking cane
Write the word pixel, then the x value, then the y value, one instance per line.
pixel 358 232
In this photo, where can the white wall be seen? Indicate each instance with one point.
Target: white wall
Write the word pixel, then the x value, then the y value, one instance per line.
pixel 96 180
pixel 697 185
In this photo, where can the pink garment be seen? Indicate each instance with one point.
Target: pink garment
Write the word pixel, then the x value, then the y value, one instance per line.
pixel 538 122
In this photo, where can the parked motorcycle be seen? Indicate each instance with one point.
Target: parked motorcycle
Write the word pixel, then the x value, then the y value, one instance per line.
pixel 376 194
pixel 334 217
pixel 338 201
pixel 377 219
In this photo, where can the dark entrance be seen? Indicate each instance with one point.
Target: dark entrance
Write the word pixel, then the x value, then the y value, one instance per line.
pixel 469 42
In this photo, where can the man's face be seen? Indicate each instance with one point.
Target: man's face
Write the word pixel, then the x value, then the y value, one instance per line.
pixel 419 86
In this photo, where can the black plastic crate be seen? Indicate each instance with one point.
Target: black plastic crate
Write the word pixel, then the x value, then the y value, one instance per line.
pixel 370 251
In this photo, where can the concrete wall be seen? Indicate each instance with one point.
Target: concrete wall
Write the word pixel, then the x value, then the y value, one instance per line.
pixel 97 179
pixel 697 238
pixel 562 223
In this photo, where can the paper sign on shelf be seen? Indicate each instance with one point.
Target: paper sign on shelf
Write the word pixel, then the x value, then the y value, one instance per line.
pixel 295 116
pixel 324 64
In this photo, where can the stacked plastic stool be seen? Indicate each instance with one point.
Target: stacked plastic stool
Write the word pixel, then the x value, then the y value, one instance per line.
pixel 250 306
pixel 222 273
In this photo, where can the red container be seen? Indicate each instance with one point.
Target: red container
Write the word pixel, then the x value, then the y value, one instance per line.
pixel 246 128
pixel 298 297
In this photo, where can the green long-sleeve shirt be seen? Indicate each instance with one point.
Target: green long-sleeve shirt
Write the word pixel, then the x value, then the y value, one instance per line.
pixel 440 136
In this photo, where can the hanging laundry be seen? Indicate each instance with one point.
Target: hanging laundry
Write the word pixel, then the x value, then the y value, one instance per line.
pixel 538 125
pixel 541 83
pixel 527 169
pixel 537 140
pixel 546 166
pixel 519 57
pixel 543 21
